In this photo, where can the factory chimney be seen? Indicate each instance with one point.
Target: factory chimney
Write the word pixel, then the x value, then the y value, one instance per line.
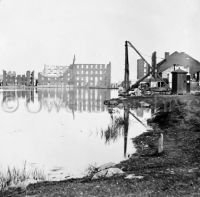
pixel 166 55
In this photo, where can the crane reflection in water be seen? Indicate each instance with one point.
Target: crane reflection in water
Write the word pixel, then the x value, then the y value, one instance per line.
pixel 119 126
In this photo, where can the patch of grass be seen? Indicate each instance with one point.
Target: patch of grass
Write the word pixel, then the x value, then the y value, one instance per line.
pixel 114 131
pixel 38 174
pixel 14 177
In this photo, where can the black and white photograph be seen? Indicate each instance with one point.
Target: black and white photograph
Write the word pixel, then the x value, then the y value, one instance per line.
pixel 99 98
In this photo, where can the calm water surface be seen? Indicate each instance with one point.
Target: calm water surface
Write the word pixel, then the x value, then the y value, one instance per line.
pixel 62 131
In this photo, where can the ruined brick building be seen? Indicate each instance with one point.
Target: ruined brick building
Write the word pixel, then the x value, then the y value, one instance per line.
pixel 11 79
pixel 79 75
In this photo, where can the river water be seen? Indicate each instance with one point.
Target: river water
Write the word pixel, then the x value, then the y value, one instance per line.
pixel 63 131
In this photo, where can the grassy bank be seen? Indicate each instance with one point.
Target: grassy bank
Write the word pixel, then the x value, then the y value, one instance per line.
pixel 17 179
pixel 174 172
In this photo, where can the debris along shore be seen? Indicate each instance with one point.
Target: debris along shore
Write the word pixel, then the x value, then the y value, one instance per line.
pixel 148 172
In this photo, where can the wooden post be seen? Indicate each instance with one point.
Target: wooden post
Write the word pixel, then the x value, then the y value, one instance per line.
pixel 126 74
pixel 160 144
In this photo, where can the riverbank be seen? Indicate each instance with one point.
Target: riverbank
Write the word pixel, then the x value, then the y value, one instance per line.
pixel 174 172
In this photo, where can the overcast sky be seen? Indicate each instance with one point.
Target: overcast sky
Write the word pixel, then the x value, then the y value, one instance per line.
pixel 38 32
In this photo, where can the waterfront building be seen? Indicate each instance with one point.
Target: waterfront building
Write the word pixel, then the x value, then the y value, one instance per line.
pixel 23 80
pixel 28 78
pixel 10 79
pixel 49 80
pixel 51 75
pixel 90 75
pixel 53 70
pixel 19 80
pixel 78 75
pixel 178 60
pixel 170 63
pixel 4 78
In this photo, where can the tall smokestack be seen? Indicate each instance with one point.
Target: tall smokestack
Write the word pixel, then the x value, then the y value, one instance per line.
pixel 154 64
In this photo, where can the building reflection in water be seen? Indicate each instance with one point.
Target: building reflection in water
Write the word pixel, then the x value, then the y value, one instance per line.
pixel 90 100
pixel 81 99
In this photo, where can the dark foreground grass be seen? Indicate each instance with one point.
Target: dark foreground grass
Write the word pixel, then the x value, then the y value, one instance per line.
pixel 161 184
pixel 175 172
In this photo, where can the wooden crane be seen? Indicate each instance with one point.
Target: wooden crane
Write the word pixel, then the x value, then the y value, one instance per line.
pixel 126 75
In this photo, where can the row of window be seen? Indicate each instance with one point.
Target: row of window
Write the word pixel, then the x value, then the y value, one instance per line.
pixel 91 66
pixel 88 78
pixel 91 83
pixel 89 72
pixel 52 78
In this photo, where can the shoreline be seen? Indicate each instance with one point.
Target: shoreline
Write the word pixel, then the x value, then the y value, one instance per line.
pixel 175 172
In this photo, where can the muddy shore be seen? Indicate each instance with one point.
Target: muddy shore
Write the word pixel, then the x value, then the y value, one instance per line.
pixel 174 172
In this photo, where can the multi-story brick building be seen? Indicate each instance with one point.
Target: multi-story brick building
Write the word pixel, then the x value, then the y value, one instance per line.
pixel 80 75
pixel 90 75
